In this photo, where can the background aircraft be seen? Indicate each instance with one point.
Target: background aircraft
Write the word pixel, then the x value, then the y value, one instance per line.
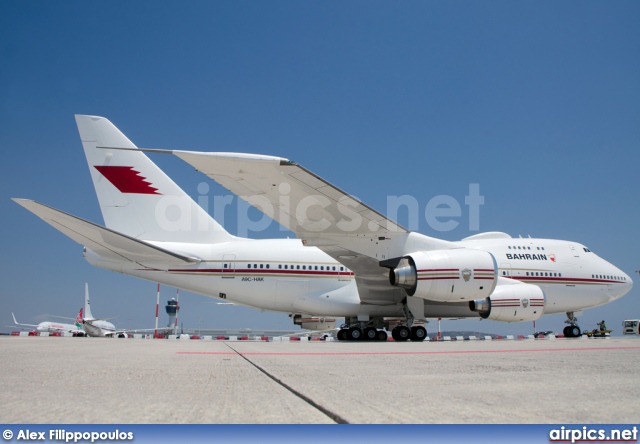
pixel 51 327
pixel 95 327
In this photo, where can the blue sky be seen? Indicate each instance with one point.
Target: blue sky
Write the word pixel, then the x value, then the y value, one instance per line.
pixel 537 102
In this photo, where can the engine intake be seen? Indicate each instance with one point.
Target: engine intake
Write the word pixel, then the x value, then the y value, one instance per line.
pixel 446 275
pixel 511 303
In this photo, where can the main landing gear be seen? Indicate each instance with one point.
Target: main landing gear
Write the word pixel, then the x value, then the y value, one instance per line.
pixel 572 330
pixel 357 333
pixel 403 333
pixel 400 333
pixel 373 329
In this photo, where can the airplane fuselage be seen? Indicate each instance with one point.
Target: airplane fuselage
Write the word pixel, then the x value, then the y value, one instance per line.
pixel 50 327
pixel 285 276
pixel 98 328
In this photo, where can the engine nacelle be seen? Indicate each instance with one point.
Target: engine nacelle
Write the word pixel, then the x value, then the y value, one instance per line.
pixel 447 275
pixel 314 322
pixel 512 303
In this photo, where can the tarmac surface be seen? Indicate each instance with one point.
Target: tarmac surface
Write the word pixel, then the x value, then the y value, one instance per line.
pixel 98 380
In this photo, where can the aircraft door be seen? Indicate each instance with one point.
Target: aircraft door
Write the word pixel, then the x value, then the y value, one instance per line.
pixel 505 269
pixel 229 266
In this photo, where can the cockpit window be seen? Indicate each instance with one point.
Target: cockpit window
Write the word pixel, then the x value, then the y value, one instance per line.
pixel 586 250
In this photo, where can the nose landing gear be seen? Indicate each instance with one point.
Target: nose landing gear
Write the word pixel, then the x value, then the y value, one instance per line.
pixel 572 330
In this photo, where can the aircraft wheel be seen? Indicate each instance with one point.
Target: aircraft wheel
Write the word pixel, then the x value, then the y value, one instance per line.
pixel 370 334
pixel 566 332
pixel 354 334
pixel 418 334
pixel 575 331
pixel 381 336
pixel 403 333
pixel 342 335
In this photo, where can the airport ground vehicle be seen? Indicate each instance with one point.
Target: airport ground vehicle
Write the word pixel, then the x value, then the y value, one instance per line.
pixel 631 327
pixel 597 333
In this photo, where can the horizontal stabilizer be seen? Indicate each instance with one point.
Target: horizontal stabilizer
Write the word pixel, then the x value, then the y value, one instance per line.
pixel 103 241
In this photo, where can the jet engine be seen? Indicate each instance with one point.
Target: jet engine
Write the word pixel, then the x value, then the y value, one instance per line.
pixel 314 322
pixel 511 303
pixel 446 275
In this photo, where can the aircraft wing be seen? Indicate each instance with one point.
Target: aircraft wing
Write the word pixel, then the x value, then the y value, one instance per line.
pixel 318 212
pixel 287 192
pixel 17 323
pixel 103 241
pixel 297 198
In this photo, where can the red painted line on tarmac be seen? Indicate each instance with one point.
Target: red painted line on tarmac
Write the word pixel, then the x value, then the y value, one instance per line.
pixel 459 352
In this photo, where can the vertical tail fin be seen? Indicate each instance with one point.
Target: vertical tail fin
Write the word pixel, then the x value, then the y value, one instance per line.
pixel 136 197
pixel 87 304
pixel 79 319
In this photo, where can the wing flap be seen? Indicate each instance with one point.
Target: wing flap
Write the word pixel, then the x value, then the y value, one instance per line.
pixel 103 241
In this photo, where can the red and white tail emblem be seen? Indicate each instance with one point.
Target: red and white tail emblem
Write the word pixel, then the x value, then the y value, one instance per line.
pixel 79 318
pixel 126 179
pixel 552 257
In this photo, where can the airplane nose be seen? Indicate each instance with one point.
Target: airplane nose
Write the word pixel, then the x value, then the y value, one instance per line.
pixel 629 282
pixel 625 286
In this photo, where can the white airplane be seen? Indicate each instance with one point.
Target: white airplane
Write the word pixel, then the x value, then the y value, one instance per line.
pixel 51 327
pixel 101 327
pixel 92 326
pixel 348 261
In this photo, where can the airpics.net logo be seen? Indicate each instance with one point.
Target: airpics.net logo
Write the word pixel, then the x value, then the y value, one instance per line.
pixel 591 434
pixel 441 213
